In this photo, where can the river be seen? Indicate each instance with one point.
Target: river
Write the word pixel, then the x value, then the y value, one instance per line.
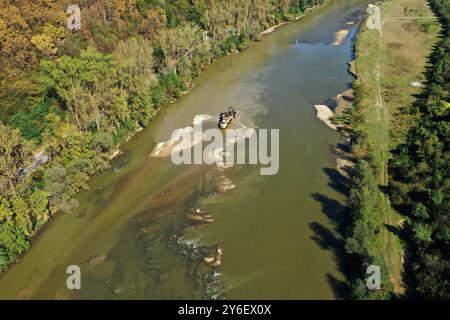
pixel 279 234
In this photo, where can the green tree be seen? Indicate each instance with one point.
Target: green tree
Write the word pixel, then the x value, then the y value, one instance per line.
pixel 15 157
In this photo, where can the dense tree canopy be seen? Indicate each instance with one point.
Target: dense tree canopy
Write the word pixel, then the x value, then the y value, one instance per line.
pixel 420 172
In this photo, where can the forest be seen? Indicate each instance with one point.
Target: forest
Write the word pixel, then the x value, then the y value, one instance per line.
pixel 69 97
pixel 419 171
pixel 418 186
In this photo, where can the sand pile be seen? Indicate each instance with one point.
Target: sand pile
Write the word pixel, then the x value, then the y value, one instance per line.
pixel 334 106
pixel 215 156
pixel 324 113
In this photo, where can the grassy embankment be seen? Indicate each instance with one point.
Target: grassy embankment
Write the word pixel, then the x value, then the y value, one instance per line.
pixel 387 61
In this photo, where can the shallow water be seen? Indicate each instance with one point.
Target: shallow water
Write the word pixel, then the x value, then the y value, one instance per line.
pixel 130 235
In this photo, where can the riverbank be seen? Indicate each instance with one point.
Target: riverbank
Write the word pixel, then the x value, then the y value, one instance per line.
pixel 375 122
pixel 335 106
pixel 295 18
pixel 190 86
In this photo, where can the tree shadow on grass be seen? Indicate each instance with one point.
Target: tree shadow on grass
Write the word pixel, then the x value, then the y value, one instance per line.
pixel 396 230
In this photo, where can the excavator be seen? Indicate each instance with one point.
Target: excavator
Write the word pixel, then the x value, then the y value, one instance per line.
pixel 225 118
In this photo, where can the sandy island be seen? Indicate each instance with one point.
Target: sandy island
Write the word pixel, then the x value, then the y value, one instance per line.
pixel 340 36
pixel 347 23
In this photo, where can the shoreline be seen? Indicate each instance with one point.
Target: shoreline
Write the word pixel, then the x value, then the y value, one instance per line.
pixel 274 27
pixel 117 149
pixel 337 105
pixel 326 112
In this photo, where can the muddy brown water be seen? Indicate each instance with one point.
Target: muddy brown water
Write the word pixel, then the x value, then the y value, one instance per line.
pixel 130 235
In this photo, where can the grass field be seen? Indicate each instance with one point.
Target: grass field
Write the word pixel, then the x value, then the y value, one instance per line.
pixel 387 61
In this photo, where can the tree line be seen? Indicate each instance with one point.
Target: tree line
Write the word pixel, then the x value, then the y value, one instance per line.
pixel 419 175
pixel 418 185
pixel 364 204
pixel 68 98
